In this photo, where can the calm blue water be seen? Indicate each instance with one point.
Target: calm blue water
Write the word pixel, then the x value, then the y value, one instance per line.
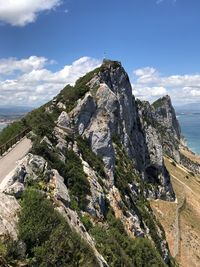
pixel 190 126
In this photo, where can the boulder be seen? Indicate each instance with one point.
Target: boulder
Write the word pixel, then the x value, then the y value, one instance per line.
pixel 60 192
pixel 9 208
pixel 63 120
pixel 36 164
pixel 15 189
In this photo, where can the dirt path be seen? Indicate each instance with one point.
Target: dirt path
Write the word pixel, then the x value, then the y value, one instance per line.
pixel 177 238
pixel 9 162
pixel 186 186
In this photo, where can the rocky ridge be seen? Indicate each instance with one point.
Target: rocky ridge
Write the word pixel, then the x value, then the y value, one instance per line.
pixel 119 142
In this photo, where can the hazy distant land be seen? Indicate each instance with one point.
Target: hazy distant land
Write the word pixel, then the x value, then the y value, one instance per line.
pixel 11 113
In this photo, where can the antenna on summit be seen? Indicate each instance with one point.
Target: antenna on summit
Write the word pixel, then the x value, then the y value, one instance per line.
pixel 104 55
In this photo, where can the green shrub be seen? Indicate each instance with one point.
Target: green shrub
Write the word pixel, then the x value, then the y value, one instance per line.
pixel 49 239
pixel 71 170
pixel 88 155
pixel 150 222
pixel 37 219
pixel 41 122
pixel 85 219
pixel 125 174
pixel 145 254
pixel 124 169
pixel 120 250
pixel 70 94
pixel 191 173
pixel 158 103
pixel 11 131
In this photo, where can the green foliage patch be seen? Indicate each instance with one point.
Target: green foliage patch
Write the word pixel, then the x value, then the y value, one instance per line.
pixel 125 174
pixel 41 123
pixel 71 170
pixel 70 94
pixel 11 131
pixel 88 155
pixel 49 239
pixel 120 250
pixel 124 170
pixel 158 103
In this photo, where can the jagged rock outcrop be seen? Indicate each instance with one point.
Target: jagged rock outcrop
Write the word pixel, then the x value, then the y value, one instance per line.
pixel 131 220
pixel 60 190
pixel 35 168
pixel 126 141
pixel 97 203
pixel 166 116
pixel 109 110
pixel 9 208
pixel 16 189
pixel 153 151
pixel 170 132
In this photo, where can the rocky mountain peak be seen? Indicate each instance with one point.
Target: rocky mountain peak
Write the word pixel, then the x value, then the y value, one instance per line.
pixel 98 155
pixel 166 115
pixel 108 111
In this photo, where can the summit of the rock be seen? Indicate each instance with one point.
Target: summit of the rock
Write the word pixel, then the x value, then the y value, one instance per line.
pixel 98 156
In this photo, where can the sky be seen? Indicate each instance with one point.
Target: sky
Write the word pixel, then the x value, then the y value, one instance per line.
pixel 46 44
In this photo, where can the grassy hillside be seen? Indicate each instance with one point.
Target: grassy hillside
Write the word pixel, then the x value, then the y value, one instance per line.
pixel 181 219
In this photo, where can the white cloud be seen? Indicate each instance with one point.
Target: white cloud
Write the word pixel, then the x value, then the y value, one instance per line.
pixel 11 65
pixel 34 84
pixel 149 84
pixel 148 93
pixel 29 81
pixel 22 12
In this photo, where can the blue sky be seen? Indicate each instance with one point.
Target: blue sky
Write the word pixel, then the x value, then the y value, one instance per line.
pixel 48 43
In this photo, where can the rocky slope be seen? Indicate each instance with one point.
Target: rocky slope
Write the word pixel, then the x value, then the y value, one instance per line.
pixel 98 157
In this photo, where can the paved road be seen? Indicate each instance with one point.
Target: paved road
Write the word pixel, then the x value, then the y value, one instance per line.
pixel 9 161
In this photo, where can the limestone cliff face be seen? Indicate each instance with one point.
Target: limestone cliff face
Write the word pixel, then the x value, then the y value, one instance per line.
pixel 155 170
pixel 166 116
pixel 170 131
pixel 109 110
pixel 121 164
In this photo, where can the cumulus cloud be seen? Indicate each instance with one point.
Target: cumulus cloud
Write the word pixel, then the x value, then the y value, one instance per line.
pixel 146 93
pixel 11 65
pixel 22 12
pixel 34 83
pixel 149 84
pixel 30 81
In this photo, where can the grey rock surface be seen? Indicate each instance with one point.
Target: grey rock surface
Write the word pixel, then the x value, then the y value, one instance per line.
pixel 15 189
pixel 63 120
pixel 60 192
pixel 9 208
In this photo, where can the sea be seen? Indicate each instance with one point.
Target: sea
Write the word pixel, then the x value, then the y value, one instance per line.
pixel 190 127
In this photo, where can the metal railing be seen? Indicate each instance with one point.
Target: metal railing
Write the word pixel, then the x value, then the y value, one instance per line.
pixel 13 141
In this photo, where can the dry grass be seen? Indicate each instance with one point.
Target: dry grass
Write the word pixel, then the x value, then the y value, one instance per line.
pixel 189 154
pixel 185 186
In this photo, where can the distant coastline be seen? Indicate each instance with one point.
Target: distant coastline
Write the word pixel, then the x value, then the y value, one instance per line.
pixel 9 114
pixel 190 127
